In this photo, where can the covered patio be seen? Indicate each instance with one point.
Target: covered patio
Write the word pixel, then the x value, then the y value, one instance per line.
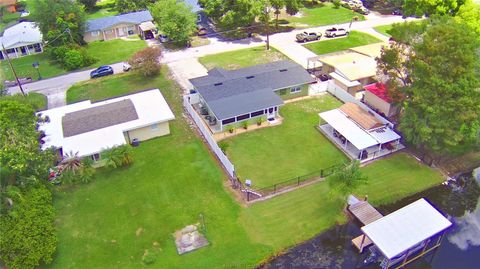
pixel 356 141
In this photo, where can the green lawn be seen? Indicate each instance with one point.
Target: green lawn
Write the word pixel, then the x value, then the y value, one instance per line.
pixel 110 222
pixel 37 100
pixel 324 15
pixel 354 39
pixel 104 8
pixel 294 148
pixel 241 58
pixel 383 29
pixel 106 52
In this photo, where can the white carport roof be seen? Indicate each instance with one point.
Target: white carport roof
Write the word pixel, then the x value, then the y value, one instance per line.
pixel 148 25
pixel 384 135
pixel 351 131
pixel 403 229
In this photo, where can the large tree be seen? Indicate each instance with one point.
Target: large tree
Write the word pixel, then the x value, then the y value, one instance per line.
pixel 232 14
pixel 89 4
pixel 441 105
pixel 277 5
pixel 54 17
pixel 175 19
pixel 126 6
pixel 430 7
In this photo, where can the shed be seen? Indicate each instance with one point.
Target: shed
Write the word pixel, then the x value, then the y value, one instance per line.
pixel 376 96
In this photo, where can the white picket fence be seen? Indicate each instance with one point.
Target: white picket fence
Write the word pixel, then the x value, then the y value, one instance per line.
pixel 348 98
pixel 187 99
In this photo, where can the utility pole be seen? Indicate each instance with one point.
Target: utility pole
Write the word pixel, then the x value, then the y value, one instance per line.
pixel 267 21
pixel 13 69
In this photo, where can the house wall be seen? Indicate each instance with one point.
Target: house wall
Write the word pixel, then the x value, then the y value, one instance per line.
pixel 286 94
pixel 145 133
pixel 327 69
pixel 119 30
pixel 377 103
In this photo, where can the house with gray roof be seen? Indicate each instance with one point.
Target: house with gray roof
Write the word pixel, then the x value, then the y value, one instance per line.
pixel 229 97
pixel 21 39
pixel 123 25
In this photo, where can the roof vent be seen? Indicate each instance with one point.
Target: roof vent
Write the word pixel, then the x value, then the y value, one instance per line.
pixel 218 84
pixel 283 70
pixel 249 77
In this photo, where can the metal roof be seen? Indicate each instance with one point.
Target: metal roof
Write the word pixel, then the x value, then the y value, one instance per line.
pixel 90 119
pixel 244 103
pixel 352 65
pixel 405 228
pixel 107 22
pixel 21 34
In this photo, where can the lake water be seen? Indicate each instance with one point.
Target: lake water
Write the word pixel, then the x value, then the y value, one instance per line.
pixel 460 249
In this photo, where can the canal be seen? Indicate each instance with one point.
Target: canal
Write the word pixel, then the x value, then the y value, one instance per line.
pixel 460 249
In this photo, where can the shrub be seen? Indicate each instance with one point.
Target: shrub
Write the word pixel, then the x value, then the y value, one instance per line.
pixel 245 124
pixel 118 156
pixel 336 3
pixel 146 62
pixel 71 57
pixel 223 145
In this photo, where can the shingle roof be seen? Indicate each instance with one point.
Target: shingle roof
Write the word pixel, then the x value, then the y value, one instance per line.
pixel 107 22
pixel 99 117
pixel 363 118
pixel 234 92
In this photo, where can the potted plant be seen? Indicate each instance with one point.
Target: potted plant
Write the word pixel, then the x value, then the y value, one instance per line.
pixel 245 125
pixel 260 120
pixel 230 129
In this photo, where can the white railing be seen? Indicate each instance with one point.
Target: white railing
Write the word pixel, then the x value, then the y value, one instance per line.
pixel 207 135
pixel 348 98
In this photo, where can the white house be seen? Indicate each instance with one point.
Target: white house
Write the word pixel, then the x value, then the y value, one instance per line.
pixel 87 128
pixel 20 40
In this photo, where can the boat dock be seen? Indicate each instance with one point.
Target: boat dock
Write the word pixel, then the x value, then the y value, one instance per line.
pixel 366 214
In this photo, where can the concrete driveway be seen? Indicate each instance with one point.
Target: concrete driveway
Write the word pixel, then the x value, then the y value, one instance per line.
pixel 186 69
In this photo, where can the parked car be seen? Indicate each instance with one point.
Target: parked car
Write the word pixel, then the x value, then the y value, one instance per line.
pixel 163 38
pixel 363 10
pixel 334 32
pixel 304 37
pixel 324 77
pixel 126 67
pixel 201 30
pixel 104 70
pixel 397 12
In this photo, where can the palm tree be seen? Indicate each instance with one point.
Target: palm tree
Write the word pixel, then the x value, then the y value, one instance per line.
pixel 71 163
pixel 347 179
pixel 118 156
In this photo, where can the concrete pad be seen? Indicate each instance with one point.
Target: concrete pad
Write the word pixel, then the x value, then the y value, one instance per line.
pixel 186 69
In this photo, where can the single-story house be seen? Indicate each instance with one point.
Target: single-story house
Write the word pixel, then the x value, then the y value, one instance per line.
pixel 376 96
pixel 108 28
pixel 9 5
pixel 358 133
pixel 20 40
pixel 87 128
pixel 233 96
pixel 350 70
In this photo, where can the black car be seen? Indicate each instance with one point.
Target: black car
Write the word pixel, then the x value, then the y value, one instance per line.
pixel 104 70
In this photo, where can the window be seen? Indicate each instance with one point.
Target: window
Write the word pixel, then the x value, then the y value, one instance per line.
pixel 243 117
pixel 295 90
pixel 227 121
pixel 258 113
pixel 95 33
pixel 270 110
pixel 96 157
pixel 109 31
pixel 154 126
pixel 130 30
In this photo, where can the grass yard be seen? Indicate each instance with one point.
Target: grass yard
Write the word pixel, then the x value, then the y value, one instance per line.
pixel 37 100
pixel 383 29
pixel 241 58
pixel 321 15
pixel 354 39
pixel 294 148
pixel 104 8
pixel 107 52
pixel 125 212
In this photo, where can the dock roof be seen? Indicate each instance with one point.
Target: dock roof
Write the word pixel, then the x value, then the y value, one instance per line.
pixel 403 229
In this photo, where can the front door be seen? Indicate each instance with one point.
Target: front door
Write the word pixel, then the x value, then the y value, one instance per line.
pixel 271 113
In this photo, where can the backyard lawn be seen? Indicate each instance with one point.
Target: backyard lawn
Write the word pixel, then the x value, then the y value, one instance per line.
pixel 354 39
pixel 103 8
pixel 321 15
pixel 241 58
pixel 383 29
pixel 294 148
pixel 112 221
pixel 106 52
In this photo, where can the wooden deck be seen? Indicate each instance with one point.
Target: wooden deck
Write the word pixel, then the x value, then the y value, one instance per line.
pixel 357 242
pixel 364 212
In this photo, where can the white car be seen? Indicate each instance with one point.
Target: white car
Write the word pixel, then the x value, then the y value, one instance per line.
pixel 126 67
pixel 334 32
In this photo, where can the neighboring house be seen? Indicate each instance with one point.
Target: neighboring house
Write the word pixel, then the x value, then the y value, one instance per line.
pixel 87 128
pixel 358 133
pixel 231 97
pixel 21 39
pixel 9 5
pixel 372 50
pixel 376 96
pixel 350 70
pixel 108 28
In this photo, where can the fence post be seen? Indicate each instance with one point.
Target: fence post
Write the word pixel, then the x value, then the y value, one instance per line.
pixel 321 173
pixel 298 181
